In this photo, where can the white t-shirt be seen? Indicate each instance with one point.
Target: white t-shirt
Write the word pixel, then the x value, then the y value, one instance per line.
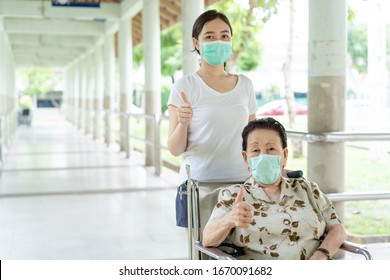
pixel 214 135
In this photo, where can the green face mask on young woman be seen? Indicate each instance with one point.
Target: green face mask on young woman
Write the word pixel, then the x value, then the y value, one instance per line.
pixel 216 52
pixel 265 168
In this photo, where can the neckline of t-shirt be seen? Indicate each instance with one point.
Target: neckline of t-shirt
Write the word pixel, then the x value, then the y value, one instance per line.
pixel 217 92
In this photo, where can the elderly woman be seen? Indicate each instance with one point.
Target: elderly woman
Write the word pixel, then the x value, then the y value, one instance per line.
pixel 270 216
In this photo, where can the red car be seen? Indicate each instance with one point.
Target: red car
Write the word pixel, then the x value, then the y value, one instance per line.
pixel 279 108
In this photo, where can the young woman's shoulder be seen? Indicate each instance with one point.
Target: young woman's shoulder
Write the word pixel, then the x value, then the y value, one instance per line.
pixel 244 80
pixel 188 78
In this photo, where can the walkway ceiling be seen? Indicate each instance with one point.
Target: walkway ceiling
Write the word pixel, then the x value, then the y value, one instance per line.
pixel 44 36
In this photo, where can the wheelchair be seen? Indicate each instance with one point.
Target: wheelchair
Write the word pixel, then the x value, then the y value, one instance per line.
pixel 201 199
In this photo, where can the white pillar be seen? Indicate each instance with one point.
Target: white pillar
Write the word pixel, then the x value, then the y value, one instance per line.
pixel 99 91
pixel 69 92
pixel 109 86
pixel 9 89
pixel 65 94
pixel 190 11
pixel 125 64
pixel 326 96
pixel 2 70
pixel 76 90
pixel 82 92
pixel 89 91
pixel 377 74
pixel 2 99
pixel 151 43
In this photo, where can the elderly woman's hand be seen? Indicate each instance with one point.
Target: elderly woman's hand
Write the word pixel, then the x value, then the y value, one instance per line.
pixel 240 216
pixel 242 213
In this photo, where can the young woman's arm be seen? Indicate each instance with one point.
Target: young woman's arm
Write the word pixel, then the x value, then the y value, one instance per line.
pixel 252 117
pixel 177 138
pixel 179 121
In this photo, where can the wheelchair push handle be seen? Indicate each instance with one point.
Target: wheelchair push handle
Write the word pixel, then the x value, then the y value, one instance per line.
pixel 295 174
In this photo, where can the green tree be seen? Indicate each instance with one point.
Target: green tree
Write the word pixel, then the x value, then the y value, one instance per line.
pixel 271 93
pixel 357 46
pixel 247 18
pixel 171 51
pixel 38 81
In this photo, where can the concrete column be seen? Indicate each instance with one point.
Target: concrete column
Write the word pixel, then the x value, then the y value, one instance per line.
pixel 109 85
pixel 2 70
pixel 8 95
pixel 69 92
pixel 377 74
pixel 65 94
pixel 190 11
pixel 9 90
pixel 125 64
pixel 76 90
pixel 151 43
pixel 2 91
pixel 98 91
pixel 12 90
pixel 82 92
pixel 326 96
pixel 89 91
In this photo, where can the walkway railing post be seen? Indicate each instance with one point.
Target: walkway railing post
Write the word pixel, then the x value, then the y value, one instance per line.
pixel 127 135
pixel 157 149
pixel 7 129
pixel 1 140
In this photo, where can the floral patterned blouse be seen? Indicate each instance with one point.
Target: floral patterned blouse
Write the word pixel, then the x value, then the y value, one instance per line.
pixel 290 229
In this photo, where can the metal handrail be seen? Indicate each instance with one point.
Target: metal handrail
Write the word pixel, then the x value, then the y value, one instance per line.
pixel 338 136
pixel 156 120
pixel 306 136
pixel 343 136
pixel 351 196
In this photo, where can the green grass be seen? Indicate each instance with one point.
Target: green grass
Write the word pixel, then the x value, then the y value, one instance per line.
pixel 367 217
pixel 361 175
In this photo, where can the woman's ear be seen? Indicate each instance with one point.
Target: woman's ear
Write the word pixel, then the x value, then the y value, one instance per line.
pixel 285 156
pixel 245 156
pixel 196 44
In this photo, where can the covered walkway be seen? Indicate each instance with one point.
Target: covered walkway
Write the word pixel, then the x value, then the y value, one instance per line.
pixel 66 196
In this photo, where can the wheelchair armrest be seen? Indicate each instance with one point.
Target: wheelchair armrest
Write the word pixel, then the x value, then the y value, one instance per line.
pixel 218 254
pixel 212 252
pixel 356 249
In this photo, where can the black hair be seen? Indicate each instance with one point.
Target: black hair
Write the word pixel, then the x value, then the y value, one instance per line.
pixel 264 123
pixel 205 18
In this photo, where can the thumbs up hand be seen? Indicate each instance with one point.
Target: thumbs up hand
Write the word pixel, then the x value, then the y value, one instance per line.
pixel 242 213
pixel 184 111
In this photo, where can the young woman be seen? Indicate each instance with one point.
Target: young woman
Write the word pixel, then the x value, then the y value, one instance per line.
pixel 208 110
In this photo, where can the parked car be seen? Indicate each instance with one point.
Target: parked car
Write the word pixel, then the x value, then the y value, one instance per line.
pixel 279 108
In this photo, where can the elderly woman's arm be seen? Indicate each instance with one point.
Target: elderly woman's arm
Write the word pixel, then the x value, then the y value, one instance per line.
pixel 240 216
pixel 215 233
pixel 335 237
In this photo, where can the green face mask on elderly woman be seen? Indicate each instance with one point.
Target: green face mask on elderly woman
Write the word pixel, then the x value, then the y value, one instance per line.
pixel 265 168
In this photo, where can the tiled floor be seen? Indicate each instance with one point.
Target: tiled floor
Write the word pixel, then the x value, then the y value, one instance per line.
pixel 66 196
